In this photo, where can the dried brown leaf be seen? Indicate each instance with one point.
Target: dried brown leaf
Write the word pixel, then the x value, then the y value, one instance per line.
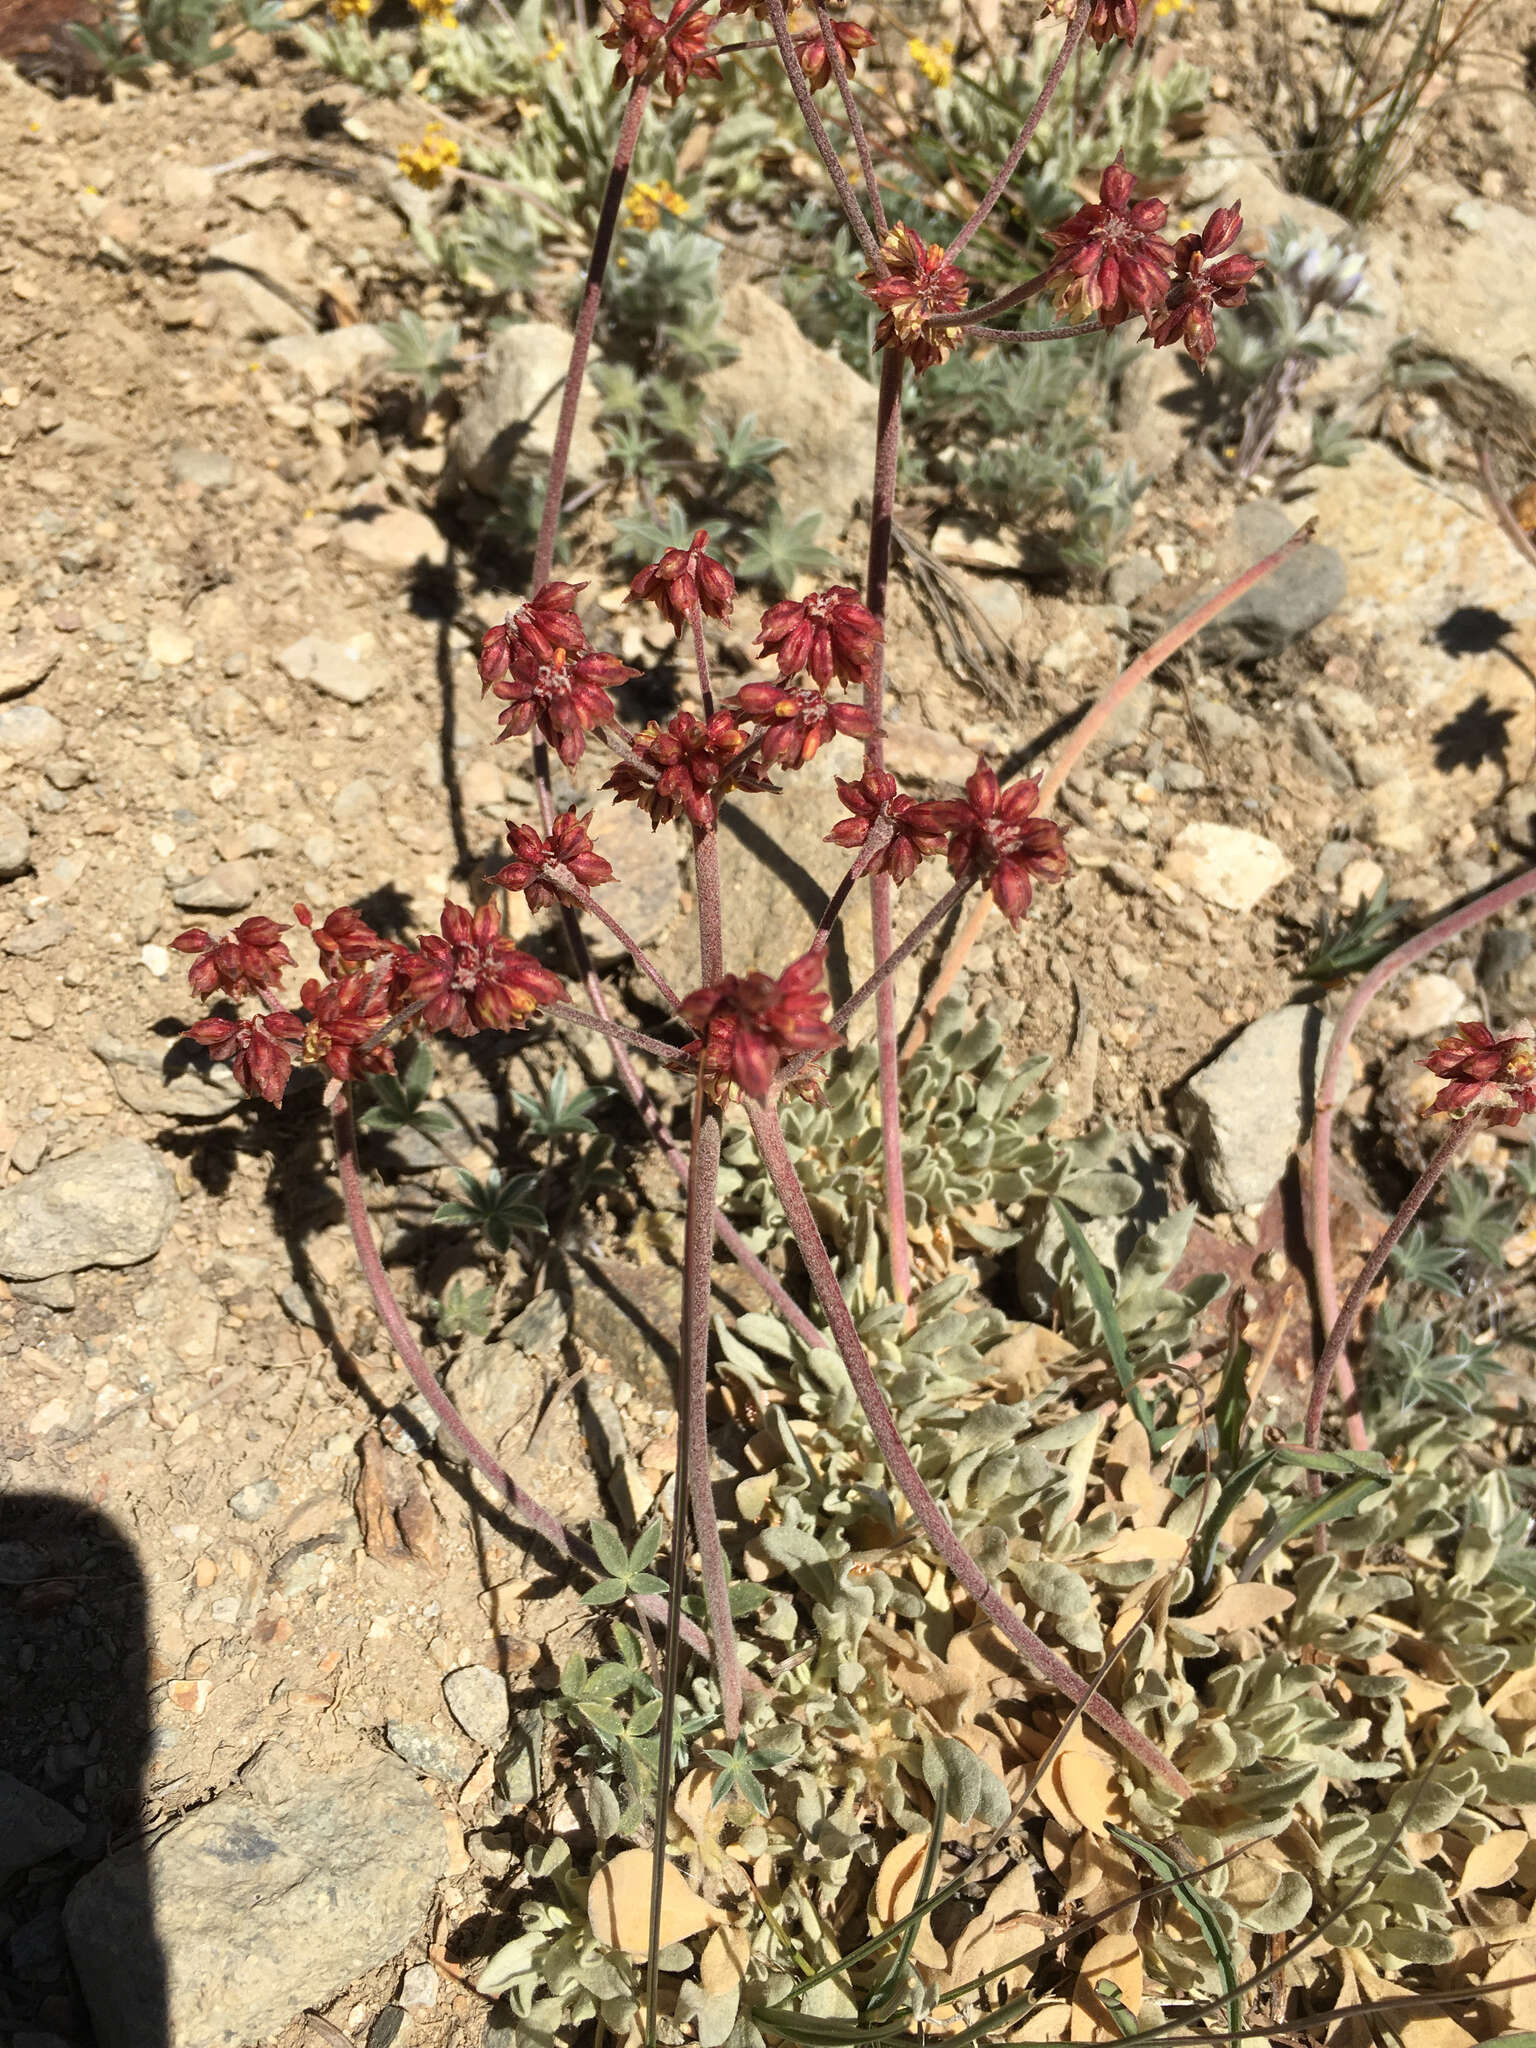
pixel 1492 1863
pixel 1117 1957
pixel 1243 1607
pixel 619 1905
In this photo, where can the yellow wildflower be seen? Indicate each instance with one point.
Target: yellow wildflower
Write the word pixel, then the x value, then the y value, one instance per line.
pixel 644 204
pixel 424 162
pixel 556 49
pixel 1163 8
pixel 347 10
pixel 934 60
pixel 435 13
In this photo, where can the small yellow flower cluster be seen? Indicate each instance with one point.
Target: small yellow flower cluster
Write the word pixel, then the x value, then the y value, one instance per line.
pixel 555 51
pixel 435 13
pixel 645 204
pixel 934 60
pixel 424 162
pixel 1163 8
pixel 349 10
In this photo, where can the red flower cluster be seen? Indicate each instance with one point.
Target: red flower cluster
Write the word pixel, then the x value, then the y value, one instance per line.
pixel 829 633
pixel 538 662
pixel 922 285
pixel 1106 18
pixel 472 979
pixel 1480 1071
pixel 568 846
pixel 344 941
pixel 994 833
pixel 677 767
pixel 243 963
pixel 1201 283
pixel 798 721
pixel 749 1024
pixel 683 578
pixel 1110 258
pixel 344 1015
pixel 649 48
pixel 875 797
pixel 816 59
pixel 255 1047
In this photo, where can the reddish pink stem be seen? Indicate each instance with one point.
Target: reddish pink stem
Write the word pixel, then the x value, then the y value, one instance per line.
pixel 799 85
pixel 877 584
pixel 390 1314
pixel 775 1156
pixel 999 185
pixel 1082 737
pixel 586 323
pixel 1320 1190
pixel 1369 1274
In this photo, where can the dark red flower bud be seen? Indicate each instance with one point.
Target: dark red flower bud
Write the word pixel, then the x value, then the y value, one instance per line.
pixel 677 767
pixel 646 50
pixel 344 942
pixel 1204 278
pixel 472 979
pixel 875 797
pixel 815 59
pixel 749 1024
pixel 245 961
pixel 829 633
pixel 566 699
pixel 1110 259
pixel 683 578
pixel 568 847
pixel 994 834
pixel 1482 1071
pixel 799 721
pixel 256 1048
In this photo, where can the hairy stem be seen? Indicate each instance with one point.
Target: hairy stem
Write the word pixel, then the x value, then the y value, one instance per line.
pixel 693 1422
pixel 999 185
pixel 1320 1190
pixel 1083 736
pixel 850 110
pixel 567 884
pixel 391 1315
pixel 609 1027
pixel 586 322
pixel 799 85
pixel 877 583
pixel 1371 1271
pixel 832 909
pixel 775 1156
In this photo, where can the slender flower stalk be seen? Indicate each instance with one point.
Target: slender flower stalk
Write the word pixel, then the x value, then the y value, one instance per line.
pixel 879 838
pixel 920 933
pixel 584 898
pixel 799 85
pixel 856 126
pixel 1320 1190
pixel 586 323
pixel 1344 1322
pixel 621 1034
pixel 877 584
pixel 774 1153
pixel 1076 29
pixel 1083 736
pixel 518 1499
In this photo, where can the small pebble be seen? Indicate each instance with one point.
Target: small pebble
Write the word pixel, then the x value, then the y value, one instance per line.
pixel 254 1501
pixel 419 1987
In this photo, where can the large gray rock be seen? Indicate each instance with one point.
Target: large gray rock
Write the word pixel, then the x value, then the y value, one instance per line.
pixel 25 659
pixel 112 1205
pixel 32 1827
pixel 1293 598
pixel 802 395
pixel 1467 266
pixel 1247 1111
pixel 227 886
pixel 271 1898
pixel 507 427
